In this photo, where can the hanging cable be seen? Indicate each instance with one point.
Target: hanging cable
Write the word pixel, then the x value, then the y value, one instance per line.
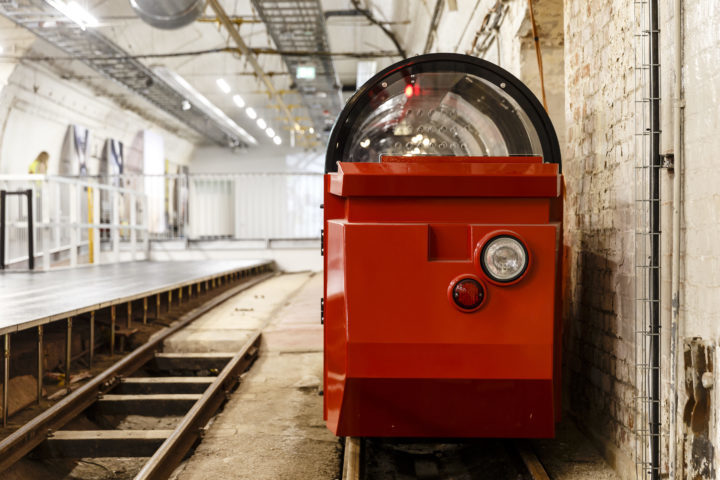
pixel 381 26
pixel 536 39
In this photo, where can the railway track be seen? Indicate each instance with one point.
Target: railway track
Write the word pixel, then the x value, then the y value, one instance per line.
pixel 145 382
pixel 371 459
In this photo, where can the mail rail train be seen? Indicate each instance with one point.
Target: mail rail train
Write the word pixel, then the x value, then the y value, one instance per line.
pixel 442 253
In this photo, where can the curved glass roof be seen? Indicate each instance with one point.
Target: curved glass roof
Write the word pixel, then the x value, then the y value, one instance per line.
pixel 442 104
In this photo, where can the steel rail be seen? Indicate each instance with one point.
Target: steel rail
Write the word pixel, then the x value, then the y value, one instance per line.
pixel 33 433
pixel 352 458
pixel 173 450
pixel 531 461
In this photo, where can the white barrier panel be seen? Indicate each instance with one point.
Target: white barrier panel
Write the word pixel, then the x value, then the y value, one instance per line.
pixel 100 219
pixel 76 220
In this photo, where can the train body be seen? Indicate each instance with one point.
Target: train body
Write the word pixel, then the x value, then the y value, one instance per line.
pixel 442 252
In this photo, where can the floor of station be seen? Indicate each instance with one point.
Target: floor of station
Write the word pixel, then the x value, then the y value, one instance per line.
pixel 272 426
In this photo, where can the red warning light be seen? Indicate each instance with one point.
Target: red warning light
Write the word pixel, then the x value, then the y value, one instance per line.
pixel 467 293
pixel 409 91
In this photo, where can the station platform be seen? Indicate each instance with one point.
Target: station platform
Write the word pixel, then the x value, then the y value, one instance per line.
pixel 30 299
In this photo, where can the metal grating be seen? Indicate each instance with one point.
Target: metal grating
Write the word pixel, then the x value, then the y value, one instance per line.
pixel 109 59
pixel 299 26
pixel 647 241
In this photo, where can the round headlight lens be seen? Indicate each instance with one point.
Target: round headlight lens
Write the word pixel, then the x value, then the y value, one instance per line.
pixel 504 259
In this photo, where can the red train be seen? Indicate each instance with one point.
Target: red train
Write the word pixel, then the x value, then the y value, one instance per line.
pixel 442 243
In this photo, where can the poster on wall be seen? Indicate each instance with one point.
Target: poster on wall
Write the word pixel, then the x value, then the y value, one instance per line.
pixel 74 157
pixel 110 168
pixel 113 160
pixel 176 197
pixel 154 169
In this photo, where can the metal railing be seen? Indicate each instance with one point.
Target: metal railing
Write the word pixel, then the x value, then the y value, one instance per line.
pixel 70 221
pixel 107 219
pixel 247 206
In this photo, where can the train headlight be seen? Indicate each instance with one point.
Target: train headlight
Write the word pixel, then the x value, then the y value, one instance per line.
pixel 504 259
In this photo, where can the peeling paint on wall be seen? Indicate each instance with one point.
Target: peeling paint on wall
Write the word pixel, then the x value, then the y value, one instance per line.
pixel 698 451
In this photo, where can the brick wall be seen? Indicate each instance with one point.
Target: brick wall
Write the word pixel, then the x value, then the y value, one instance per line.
pixel 599 339
pixel 599 158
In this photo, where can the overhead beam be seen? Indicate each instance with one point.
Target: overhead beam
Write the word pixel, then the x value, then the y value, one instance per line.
pixel 250 56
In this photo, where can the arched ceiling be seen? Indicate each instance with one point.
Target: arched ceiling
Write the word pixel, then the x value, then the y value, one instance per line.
pixel 188 52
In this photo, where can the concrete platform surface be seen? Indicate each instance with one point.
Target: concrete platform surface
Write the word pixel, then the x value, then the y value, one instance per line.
pixel 272 427
pixel 227 327
pixel 29 299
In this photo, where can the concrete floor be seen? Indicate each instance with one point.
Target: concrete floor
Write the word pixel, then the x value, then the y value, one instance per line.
pixel 272 427
pixel 571 455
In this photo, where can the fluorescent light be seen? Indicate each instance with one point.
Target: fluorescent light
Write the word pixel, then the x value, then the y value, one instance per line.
pixel 251 113
pixel 277 140
pixel 238 101
pixel 186 105
pixel 197 100
pixel 311 130
pixel 270 132
pixel 305 72
pixel 75 12
pixel 223 85
pixel 261 123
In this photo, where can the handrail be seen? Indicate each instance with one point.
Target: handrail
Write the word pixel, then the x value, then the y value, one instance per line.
pixel 39 177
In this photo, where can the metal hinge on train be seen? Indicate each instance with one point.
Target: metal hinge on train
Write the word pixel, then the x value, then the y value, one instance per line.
pixel 322 311
pixel 322 242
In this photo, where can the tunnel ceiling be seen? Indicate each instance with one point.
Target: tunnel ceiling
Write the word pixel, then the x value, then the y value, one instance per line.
pixel 201 54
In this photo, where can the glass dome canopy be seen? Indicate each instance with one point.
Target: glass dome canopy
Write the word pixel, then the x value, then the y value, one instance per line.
pixel 442 104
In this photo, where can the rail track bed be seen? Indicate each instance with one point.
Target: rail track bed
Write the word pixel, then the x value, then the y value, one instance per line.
pixel 484 459
pixel 137 419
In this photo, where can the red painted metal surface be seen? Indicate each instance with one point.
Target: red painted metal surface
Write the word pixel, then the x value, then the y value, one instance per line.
pixel 401 359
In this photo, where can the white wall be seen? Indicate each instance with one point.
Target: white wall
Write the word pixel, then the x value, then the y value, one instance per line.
pixel 212 159
pixel 37 105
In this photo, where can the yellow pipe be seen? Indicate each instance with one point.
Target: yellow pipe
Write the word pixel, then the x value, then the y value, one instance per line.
pixel 91 243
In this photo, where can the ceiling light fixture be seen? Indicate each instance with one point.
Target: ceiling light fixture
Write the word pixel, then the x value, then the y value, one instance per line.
pixel 277 140
pixel 261 123
pixel 251 113
pixel 238 101
pixel 197 100
pixel 270 132
pixel 223 85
